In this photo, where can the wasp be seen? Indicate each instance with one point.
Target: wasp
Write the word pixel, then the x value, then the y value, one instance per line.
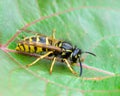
pixel 48 46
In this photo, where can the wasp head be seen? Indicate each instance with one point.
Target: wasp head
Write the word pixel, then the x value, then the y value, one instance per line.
pixel 76 55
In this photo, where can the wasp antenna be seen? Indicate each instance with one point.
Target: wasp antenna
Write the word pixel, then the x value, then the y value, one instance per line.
pixel 90 53
pixel 80 67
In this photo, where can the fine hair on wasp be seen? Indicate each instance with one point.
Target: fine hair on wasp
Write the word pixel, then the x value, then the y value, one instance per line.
pixel 49 46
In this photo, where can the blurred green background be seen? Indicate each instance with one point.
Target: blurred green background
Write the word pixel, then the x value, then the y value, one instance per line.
pixel 92 25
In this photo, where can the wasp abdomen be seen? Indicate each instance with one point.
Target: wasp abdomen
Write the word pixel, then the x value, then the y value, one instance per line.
pixel 26 46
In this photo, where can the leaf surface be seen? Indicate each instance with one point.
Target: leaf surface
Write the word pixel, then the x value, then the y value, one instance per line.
pixel 91 26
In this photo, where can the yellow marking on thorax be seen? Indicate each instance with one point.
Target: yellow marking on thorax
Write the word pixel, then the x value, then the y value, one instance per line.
pixel 69 50
pixel 47 42
pixel 63 53
pixel 60 45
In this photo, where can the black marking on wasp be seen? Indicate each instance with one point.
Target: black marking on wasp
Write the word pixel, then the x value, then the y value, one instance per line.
pixel 50 46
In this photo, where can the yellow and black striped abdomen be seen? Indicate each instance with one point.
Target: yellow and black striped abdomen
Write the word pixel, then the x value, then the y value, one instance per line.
pixel 26 47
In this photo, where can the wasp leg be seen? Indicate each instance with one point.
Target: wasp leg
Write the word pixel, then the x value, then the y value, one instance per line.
pixel 53 33
pixel 68 64
pixel 41 57
pixel 32 32
pixel 51 68
pixel 53 36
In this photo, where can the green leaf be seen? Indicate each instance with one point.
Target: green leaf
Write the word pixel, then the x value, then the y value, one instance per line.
pixel 91 25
